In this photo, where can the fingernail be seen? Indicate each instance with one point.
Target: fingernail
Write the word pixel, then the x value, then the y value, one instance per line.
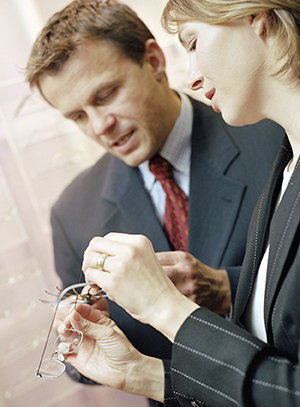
pixel 76 316
pixel 61 327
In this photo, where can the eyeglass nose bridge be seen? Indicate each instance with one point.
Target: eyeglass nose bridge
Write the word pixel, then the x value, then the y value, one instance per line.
pixel 68 341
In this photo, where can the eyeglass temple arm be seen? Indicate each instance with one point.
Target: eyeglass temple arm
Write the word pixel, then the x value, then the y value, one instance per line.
pixel 60 297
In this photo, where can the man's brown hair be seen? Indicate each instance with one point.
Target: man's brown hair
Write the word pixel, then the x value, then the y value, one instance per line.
pixel 84 20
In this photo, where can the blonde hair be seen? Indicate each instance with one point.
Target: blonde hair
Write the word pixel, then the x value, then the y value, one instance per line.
pixel 283 22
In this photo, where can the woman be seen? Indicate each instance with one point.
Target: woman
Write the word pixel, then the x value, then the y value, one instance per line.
pixel 245 56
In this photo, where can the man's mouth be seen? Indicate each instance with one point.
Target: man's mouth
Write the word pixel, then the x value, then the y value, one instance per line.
pixel 123 139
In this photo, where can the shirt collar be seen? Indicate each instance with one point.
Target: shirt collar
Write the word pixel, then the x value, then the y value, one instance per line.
pixel 177 148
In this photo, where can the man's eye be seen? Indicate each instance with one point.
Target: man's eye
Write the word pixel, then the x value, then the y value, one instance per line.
pixel 99 100
pixel 77 117
pixel 104 98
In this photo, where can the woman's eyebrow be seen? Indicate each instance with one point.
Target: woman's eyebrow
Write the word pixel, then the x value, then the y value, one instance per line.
pixel 181 39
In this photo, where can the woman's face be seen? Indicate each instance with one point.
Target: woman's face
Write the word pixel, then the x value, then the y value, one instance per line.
pixel 228 62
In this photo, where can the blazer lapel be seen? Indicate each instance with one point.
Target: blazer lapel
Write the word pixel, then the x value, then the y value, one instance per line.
pixel 131 204
pixel 210 189
pixel 283 229
pixel 259 230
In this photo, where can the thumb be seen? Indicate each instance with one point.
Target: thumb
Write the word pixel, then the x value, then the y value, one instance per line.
pixel 94 330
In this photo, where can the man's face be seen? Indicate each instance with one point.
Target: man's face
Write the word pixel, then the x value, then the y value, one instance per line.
pixel 114 100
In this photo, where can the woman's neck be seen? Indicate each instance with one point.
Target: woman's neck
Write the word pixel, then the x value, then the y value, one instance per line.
pixel 284 108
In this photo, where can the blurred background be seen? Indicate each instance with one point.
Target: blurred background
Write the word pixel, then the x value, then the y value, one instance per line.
pixel 40 153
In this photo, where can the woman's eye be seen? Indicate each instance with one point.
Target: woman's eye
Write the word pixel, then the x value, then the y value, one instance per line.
pixel 192 46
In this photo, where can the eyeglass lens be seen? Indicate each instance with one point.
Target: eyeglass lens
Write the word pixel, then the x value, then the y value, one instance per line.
pixel 67 342
pixel 52 368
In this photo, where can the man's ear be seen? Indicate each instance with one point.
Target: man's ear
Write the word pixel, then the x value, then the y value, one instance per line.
pixel 155 57
pixel 259 24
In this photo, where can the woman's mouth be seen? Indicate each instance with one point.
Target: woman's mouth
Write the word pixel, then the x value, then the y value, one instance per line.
pixel 210 95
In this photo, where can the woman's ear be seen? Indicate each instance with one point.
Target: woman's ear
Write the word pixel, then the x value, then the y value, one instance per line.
pixel 155 57
pixel 259 24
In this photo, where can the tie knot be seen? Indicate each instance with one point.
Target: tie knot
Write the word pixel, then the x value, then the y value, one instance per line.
pixel 161 168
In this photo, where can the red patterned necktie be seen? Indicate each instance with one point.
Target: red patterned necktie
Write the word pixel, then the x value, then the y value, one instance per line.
pixel 177 206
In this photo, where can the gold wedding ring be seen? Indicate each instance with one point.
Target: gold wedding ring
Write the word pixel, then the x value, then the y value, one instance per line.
pixel 100 261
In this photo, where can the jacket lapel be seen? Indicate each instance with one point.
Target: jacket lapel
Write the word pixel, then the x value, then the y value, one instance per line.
pixel 283 229
pixel 131 204
pixel 258 230
pixel 210 189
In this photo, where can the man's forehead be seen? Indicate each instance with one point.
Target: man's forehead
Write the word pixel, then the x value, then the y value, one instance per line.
pixel 91 56
pixel 92 70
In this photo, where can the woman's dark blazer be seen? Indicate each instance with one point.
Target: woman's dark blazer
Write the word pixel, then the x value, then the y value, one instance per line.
pixel 217 363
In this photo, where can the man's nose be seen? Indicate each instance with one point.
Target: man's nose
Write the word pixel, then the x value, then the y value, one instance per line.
pixel 101 122
pixel 195 78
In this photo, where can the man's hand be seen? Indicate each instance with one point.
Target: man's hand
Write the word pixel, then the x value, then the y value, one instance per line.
pixel 204 285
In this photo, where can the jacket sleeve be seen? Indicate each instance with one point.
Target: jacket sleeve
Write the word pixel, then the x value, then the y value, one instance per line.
pixel 170 399
pixel 216 363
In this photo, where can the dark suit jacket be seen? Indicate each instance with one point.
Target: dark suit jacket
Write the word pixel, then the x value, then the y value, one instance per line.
pixel 217 363
pixel 229 167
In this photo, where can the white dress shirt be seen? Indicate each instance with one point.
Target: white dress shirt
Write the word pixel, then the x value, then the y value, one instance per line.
pixel 255 321
pixel 176 150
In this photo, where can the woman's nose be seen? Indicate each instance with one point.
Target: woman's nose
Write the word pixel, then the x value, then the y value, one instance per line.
pixel 195 78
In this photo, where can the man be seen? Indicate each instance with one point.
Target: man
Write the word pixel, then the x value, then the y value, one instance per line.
pixel 100 66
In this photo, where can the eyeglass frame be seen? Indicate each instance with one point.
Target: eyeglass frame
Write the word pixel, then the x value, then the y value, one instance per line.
pixel 59 299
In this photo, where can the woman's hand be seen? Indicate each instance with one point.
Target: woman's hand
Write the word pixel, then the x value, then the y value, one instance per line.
pixel 134 278
pixel 107 357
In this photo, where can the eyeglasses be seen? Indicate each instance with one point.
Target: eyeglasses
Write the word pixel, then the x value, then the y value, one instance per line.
pixel 74 297
pixel 67 342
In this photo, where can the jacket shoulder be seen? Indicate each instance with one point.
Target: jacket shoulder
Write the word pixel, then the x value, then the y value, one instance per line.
pixel 89 183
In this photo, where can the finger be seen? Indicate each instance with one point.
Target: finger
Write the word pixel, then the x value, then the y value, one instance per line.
pixel 85 326
pixel 110 244
pixel 172 273
pixel 88 312
pixel 102 278
pixel 91 257
pixel 113 243
pixel 101 304
pixel 89 321
pixel 173 258
pixel 166 258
